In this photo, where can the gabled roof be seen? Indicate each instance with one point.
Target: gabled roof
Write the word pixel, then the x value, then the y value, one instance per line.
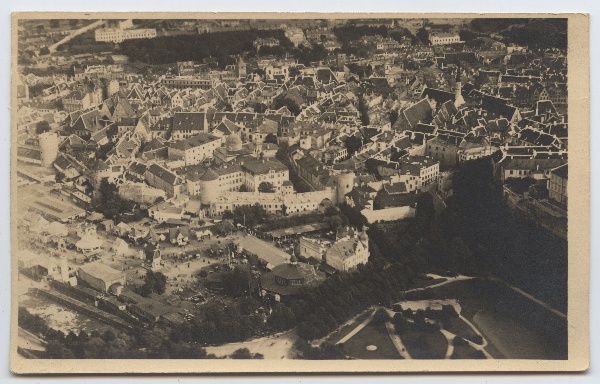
pixel 164 174
pixel 89 120
pixel 562 171
pixel 498 106
pixel 137 168
pixel 417 113
pixel 189 121
pixel 227 127
pixel 154 144
pixel 438 95
pixel 194 141
pixel 544 106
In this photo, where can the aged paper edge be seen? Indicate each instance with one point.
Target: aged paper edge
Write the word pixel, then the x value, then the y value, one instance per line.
pixel 578 236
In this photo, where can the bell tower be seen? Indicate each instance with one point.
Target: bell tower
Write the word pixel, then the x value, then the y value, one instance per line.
pixel 458 99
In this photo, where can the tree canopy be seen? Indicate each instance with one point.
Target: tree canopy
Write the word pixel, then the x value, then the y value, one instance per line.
pixel 353 144
pixel 108 201
pixel 154 282
pixel 219 45
pixel 42 126
pixel 266 187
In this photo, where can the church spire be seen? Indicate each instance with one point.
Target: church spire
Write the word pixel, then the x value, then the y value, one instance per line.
pixel 458 99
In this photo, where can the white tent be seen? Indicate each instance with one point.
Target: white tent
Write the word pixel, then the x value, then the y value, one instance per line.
pixel 89 244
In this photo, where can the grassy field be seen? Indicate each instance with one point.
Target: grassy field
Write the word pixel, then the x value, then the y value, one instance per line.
pixel 512 324
pixel 372 334
pixel 460 328
pixel 336 336
pixel 514 340
pixel 425 345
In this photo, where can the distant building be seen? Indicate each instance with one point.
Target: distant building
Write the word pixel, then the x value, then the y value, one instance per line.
pixel 289 279
pixel 102 277
pixel 345 254
pixel 445 151
pixel 313 248
pixel 195 149
pixel 160 177
pixel 266 42
pixel 418 171
pixel 557 184
pixel 152 256
pixel 349 252
pixel 184 82
pixel 118 35
pixel 444 38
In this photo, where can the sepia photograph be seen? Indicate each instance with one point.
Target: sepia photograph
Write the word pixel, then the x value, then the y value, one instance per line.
pixel 299 192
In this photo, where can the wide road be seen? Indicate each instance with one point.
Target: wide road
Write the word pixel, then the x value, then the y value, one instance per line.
pixel 82 30
pixel 264 250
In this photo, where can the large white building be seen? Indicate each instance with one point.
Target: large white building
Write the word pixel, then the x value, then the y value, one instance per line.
pixel 348 253
pixel 417 171
pixel 213 183
pixel 274 203
pixel 118 35
pixel 195 149
pixel 444 38
pixel 345 254
pixel 265 170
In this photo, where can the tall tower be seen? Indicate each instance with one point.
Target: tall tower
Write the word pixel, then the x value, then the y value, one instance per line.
pixel 49 147
pixel 344 184
pixel 209 187
pixel 241 68
pixel 458 99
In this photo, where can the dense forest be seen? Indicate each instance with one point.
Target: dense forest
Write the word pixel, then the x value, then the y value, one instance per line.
pixel 534 33
pixel 503 243
pixel 219 45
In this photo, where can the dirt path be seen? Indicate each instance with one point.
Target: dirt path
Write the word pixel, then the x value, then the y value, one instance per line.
pixel 358 328
pixel 450 338
pixel 480 347
pixel 448 281
pixel 397 341
pixel 76 33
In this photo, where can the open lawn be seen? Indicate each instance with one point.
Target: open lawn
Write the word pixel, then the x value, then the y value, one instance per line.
pixel 340 333
pixel 425 345
pixel 514 340
pixel 513 325
pixel 376 335
pixel 460 328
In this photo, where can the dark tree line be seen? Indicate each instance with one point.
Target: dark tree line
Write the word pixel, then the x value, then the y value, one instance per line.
pixel 152 343
pixel 220 45
pixel 502 242
pixel 534 33
pixel 349 34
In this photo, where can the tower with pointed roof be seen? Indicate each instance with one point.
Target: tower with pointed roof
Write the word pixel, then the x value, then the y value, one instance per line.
pixel 458 99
